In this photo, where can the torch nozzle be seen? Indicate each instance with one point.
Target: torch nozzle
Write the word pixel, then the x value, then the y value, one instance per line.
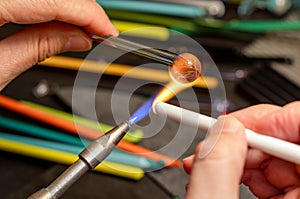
pixel 89 158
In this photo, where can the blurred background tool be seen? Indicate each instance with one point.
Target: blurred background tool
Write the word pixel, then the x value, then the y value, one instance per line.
pixel 278 7
pixel 277 82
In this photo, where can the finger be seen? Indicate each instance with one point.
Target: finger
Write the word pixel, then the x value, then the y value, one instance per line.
pixel 259 119
pixel 187 163
pixel 218 174
pixel 85 13
pixel 278 122
pixel 249 116
pixel 283 124
pixel 281 174
pixel 298 169
pixel 258 184
pixel 24 49
pixel 272 179
pixel 295 193
pixel 255 158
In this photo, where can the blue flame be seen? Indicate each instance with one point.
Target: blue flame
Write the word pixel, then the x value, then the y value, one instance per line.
pixel 143 111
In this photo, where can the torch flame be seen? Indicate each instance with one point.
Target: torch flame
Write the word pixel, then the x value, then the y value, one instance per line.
pixel 170 90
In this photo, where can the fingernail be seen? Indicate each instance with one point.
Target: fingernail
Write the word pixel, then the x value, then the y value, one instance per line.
pixel 78 43
pixel 229 124
pixel 191 157
pixel 224 124
pixel 187 164
pixel 115 32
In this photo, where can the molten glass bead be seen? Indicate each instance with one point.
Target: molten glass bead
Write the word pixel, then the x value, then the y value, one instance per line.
pixel 186 68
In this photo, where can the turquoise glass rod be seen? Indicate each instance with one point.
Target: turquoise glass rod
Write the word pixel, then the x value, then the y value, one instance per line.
pixel 178 10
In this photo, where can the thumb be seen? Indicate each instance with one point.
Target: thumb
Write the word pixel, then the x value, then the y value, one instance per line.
pixel 21 50
pixel 218 174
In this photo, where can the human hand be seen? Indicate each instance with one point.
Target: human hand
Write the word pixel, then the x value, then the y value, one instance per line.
pixel 266 176
pixel 218 174
pixel 58 26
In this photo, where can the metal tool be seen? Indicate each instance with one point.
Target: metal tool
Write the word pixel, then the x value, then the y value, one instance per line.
pixel 89 158
pixel 161 56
